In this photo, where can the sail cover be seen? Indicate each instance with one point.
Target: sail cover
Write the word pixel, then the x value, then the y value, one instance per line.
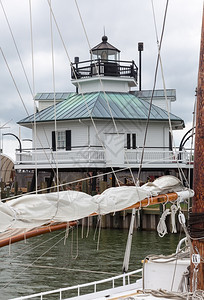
pixel 34 210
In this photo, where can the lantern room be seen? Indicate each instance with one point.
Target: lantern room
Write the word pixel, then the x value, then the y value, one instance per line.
pixel 104 71
pixel 105 51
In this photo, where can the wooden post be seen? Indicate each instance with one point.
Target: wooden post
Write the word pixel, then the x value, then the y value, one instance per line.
pixel 16 188
pixel 93 183
pixel 33 182
pixel 196 219
pixel 85 186
pixel 50 181
pixel 113 180
pixel 103 186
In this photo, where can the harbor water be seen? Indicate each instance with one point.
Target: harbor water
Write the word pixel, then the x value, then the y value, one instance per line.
pixel 52 261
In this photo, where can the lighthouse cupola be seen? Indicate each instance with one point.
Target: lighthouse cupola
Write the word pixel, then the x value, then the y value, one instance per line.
pixel 105 51
pixel 104 71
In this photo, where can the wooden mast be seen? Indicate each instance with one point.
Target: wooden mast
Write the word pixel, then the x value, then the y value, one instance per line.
pixel 196 219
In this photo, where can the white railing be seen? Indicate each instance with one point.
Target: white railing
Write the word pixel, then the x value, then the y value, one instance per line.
pixel 125 279
pixel 97 156
pixel 157 156
pixel 75 156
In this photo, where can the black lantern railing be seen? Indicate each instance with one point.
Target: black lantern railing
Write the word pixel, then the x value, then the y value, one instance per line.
pixel 86 69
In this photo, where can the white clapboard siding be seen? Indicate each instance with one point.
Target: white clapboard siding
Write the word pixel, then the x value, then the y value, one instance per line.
pixel 105 138
pixel 158 132
pixel 79 133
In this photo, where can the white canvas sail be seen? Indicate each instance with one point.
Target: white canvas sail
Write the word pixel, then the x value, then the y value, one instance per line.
pixel 31 211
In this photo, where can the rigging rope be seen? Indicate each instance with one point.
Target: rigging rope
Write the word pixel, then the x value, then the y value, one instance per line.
pixel 192 141
pixel 15 44
pixel 99 231
pixel 54 90
pixel 20 273
pixel 66 233
pixel 12 77
pixel 174 210
pixel 55 112
pixel 198 295
pixel 88 227
pixel 36 245
pixel 66 269
pixel 77 244
pixel 71 182
pixel 105 95
pixel 73 70
pixel 23 103
pixel 33 93
pixel 181 173
pixel 161 227
pixel 154 86
pixel 29 85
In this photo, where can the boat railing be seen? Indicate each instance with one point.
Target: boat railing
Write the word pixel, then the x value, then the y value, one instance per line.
pixel 124 278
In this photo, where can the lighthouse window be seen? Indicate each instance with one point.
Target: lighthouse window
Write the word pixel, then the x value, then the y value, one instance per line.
pixel 131 140
pixel 104 55
pixel 63 140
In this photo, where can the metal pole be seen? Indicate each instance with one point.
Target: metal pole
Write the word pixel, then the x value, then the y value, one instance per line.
pixel 76 61
pixel 140 49
pixel 129 243
pixel 20 145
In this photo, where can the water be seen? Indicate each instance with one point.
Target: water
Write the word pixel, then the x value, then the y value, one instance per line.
pixel 44 262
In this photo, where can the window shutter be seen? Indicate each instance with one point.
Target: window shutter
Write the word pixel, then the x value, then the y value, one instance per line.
pixel 170 142
pixel 68 140
pixel 128 140
pixel 53 141
pixel 134 141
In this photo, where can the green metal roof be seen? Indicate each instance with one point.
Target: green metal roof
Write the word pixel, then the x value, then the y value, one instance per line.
pixel 52 96
pixel 124 106
pixel 158 94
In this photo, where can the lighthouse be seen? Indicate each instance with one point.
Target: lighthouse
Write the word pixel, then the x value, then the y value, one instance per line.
pixel 101 126
pixel 104 71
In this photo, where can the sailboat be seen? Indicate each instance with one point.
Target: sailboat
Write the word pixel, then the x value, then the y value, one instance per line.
pixel 75 205
pixel 157 272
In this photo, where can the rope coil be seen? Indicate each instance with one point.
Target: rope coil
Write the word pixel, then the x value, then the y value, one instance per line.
pixel 161 227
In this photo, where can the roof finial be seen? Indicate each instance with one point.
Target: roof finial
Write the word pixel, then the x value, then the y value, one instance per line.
pixel 104 37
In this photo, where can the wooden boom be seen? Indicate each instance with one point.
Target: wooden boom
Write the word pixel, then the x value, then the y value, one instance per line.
pixel 46 229
pixel 35 232
pixel 154 200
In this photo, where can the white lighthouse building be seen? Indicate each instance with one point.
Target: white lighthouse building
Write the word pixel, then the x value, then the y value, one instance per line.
pixel 101 126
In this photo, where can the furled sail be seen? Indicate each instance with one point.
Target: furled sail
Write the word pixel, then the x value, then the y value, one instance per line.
pixel 32 211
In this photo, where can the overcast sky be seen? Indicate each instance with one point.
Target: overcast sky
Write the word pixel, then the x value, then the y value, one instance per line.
pixel 126 23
